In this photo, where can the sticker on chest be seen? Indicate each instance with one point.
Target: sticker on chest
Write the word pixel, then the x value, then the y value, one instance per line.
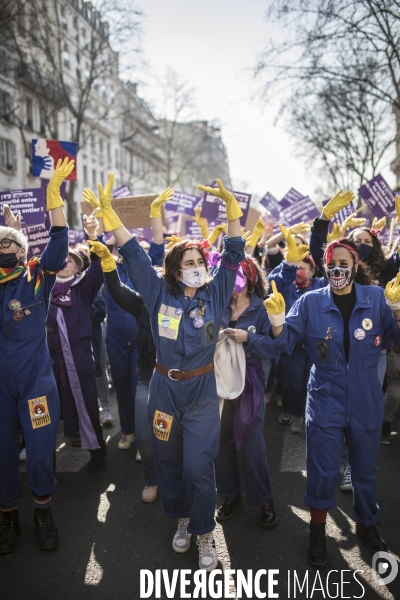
pixel 162 424
pixel 323 351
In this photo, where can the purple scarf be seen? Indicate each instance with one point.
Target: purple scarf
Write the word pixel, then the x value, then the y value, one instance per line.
pixel 247 405
pixel 61 293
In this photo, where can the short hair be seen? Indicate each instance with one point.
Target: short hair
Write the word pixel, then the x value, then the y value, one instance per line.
pixel 17 236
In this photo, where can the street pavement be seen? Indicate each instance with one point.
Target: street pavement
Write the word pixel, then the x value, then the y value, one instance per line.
pixel 108 534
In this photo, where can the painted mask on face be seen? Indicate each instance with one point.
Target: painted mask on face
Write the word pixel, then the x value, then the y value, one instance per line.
pixel 340 277
pixel 195 278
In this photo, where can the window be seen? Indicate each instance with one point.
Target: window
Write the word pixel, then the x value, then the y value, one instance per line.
pixel 93 144
pixel 85 178
pixel 63 19
pixel 116 158
pixel 66 56
pixel 55 126
pixel 8 158
pixel 42 120
pixel 73 131
pixel 5 107
pixel 76 29
pixel 94 178
pixel 109 152
pixel 101 146
pixel 29 114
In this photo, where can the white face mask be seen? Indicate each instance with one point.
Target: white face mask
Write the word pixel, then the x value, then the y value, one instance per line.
pixel 195 278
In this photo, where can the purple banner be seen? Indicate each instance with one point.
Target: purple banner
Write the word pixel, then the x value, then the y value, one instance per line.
pixel 384 236
pixel 377 194
pixel 122 192
pixel 291 197
pixel 182 203
pixel 341 216
pixel 30 203
pixel 38 237
pixel 214 209
pixel 145 234
pixel 273 207
pixel 193 231
pixel 302 209
pixel 76 236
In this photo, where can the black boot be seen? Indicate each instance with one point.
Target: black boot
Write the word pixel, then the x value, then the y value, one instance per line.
pixel 268 518
pixel 10 531
pixel 370 538
pixel 317 548
pixel 229 507
pixel 46 531
pixel 385 435
pixel 97 458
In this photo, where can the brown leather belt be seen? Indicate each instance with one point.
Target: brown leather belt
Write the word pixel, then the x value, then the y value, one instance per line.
pixel 183 375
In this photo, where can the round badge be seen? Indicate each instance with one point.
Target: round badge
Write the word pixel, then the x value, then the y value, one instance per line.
pixel 378 340
pixel 198 322
pixel 194 313
pixel 18 315
pixel 165 322
pixel 367 324
pixel 178 311
pixel 252 329
pixel 359 334
pixel 14 304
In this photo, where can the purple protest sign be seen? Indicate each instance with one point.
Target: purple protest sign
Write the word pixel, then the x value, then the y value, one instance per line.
pixel 384 236
pixel 302 209
pixel 193 231
pixel 145 234
pixel 291 197
pixel 214 209
pixel 272 205
pixel 341 216
pixel 182 203
pixel 76 236
pixel 30 203
pixel 122 192
pixel 377 194
pixel 38 237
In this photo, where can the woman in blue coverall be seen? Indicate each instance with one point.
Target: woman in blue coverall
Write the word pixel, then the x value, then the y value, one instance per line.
pixel 185 309
pixel 242 420
pixel 344 326
pixel 294 277
pixel 29 397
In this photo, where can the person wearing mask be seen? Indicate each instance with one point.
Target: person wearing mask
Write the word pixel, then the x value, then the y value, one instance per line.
pixel 343 326
pixel 29 397
pixel 242 422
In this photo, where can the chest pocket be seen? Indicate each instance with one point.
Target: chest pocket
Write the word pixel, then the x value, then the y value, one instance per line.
pixel 168 322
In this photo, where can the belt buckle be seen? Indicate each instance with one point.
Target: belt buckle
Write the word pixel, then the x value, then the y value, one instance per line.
pixel 173 371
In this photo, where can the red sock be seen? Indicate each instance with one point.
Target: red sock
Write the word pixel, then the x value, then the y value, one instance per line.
pixel 318 516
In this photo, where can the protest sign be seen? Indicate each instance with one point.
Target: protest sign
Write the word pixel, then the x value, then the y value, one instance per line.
pixel 76 236
pixel 291 197
pixel 214 209
pixel 46 153
pixel 122 192
pixel 377 194
pixel 302 209
pixel 38 237
pixel 272 206
pixel 340 216
pixel 193 231
pixel 182 203
pixel 143 234
pixel 30 203
pixel 134 211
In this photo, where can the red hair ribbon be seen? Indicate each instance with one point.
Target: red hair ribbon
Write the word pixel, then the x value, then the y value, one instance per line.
pixel 374 232
pixel 250 271
pixel 342 243
pixel 203 244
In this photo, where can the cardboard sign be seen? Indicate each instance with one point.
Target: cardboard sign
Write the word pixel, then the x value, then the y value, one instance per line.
pixel 46 153
pixel 134 211
pixel 38 237
pixel 30 203
pixel 377 194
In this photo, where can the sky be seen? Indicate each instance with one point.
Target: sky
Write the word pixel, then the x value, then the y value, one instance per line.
pixel 214 44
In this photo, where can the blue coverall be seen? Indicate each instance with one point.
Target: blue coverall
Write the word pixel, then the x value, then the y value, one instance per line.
pixel 252 452
pixel 184 414
pixel 26 374
pixel 298 364
pixel 343 398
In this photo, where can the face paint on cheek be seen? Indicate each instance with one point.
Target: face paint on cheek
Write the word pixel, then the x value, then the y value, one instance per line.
pixel 340 277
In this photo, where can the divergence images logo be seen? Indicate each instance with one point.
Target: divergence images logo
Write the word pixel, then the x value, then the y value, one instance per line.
pixel 385 568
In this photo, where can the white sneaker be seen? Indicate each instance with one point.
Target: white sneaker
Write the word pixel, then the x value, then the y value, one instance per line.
pixel 297 425
pixel 267 398
pixel 106 417
pixel 208 558
pixel 138 458
pixel 182 539
pixel 150 493
pixel 22 455
pixel 126 441
pixel 346 484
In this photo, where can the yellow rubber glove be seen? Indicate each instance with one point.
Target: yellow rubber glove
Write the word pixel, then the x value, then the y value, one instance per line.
pixel 299 228
pixel 173 240
pixel 233 210
pixel 295 253
pixel 216 232
pixel 91 198
pixel 378 223
pixel 352 222
pixel 397 205
pixel 201 222
pixel 336 233
pixel 392 293
pixel 275 306
pixel 155 208
pixel 108 263
pixel 336 203
pixel 61 172
pixel 257 232
pixel 110 218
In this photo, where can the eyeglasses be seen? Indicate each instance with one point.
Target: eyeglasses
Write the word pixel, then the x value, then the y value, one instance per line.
pixel 6 243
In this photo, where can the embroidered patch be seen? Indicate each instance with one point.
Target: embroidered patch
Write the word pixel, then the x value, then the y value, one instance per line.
pixel 323 352
pixel 39 412
pixel 162 424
